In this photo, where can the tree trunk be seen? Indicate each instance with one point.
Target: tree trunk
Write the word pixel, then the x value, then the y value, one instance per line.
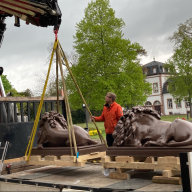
pixel 190 108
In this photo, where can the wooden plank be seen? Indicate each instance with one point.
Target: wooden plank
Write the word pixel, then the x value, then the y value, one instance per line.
pixel 105 159
pixel 167 167
pixel 64 160
pixel 95 155
pixel 141 165
pixel 124 159
pixel 166 180
pixel 35 158
pixel 168 160
pixel 21 16
pixel 35 4
pixel 119 170
pixel 14 160
pixel 171 173
pixel 68 158
pixel 149 160
pixel 123 176
pixel 57 163
pixel 32 8
pixel 134 165
pixel 50 158
pixel 31 13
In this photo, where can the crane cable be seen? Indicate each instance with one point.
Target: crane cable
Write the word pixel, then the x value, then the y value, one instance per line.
pixel 69 118
pixel 68 111
pixel 80 93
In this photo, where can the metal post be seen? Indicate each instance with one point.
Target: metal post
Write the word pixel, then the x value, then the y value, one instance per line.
pixel 185 172
pixel 86 117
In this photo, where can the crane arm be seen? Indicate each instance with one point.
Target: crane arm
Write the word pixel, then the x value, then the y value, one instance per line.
pixel 41 13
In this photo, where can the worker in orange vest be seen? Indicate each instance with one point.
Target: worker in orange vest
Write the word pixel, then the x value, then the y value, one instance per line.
pixel 111 114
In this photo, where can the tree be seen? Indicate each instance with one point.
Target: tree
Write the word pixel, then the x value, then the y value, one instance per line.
pixel 26 93
pixel 7 85
pixel 180 64
pixel 107 61
pixel 9 89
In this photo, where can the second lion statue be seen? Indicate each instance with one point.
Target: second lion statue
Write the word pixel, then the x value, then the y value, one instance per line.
pixel 143 127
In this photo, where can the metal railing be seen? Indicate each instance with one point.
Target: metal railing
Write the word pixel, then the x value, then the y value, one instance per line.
pixel 24 109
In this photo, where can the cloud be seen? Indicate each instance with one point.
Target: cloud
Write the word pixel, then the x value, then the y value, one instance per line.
pixel 25 51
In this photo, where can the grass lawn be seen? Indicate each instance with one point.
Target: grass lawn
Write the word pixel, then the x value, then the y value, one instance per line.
pixel 173 117
pixel 100 125
pixel 91 126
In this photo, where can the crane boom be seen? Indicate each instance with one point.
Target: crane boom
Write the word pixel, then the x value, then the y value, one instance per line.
pixel 41 13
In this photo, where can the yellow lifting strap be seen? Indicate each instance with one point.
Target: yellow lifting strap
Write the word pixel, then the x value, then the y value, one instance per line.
pixel 60 54
pixel 32 137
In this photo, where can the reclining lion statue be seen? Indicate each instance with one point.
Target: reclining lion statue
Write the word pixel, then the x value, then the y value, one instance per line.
pixel 53 132
pixel 143 127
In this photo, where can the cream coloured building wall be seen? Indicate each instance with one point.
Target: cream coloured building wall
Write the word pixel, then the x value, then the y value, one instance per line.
pixel 162 98
pixel 174 109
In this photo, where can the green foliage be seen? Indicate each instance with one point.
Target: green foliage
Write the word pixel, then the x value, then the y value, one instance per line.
pixel 180 64
pixel 26 93
pixel 107 61
pixel 7 85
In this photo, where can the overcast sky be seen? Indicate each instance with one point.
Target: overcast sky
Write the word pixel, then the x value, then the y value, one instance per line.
pixel 24 53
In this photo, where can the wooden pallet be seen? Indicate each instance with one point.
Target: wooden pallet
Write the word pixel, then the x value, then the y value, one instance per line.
pixel 170 167
pixel 65 160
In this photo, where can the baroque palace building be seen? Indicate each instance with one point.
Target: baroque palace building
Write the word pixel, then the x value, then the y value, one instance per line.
pixel 160 99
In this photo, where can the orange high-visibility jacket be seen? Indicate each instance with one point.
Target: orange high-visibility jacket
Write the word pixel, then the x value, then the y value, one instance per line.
pixel 110 116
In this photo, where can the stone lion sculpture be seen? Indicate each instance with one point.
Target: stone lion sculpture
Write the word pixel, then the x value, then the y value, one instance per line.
pixel 143 127
pixel 53 132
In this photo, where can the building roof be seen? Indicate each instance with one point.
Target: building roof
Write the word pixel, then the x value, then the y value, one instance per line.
pixel 153 63
pixel 154 68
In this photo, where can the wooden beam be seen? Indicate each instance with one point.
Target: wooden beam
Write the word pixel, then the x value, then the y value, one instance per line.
pixel 24 5
pixel 122 176
pixel 41 5
pixel 166 180
pixel 21 16
pixel 20 10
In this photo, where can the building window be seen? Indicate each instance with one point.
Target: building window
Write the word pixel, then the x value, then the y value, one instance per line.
pixel 154 70
pixel 155 87
pixel 157 103
pixel 169 103
pixel 167 88
pixel 148 104
pixel 161 69
pixel 178 103
pixel 187 104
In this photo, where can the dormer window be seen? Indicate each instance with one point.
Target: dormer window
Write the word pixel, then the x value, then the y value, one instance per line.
pixel 145 71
